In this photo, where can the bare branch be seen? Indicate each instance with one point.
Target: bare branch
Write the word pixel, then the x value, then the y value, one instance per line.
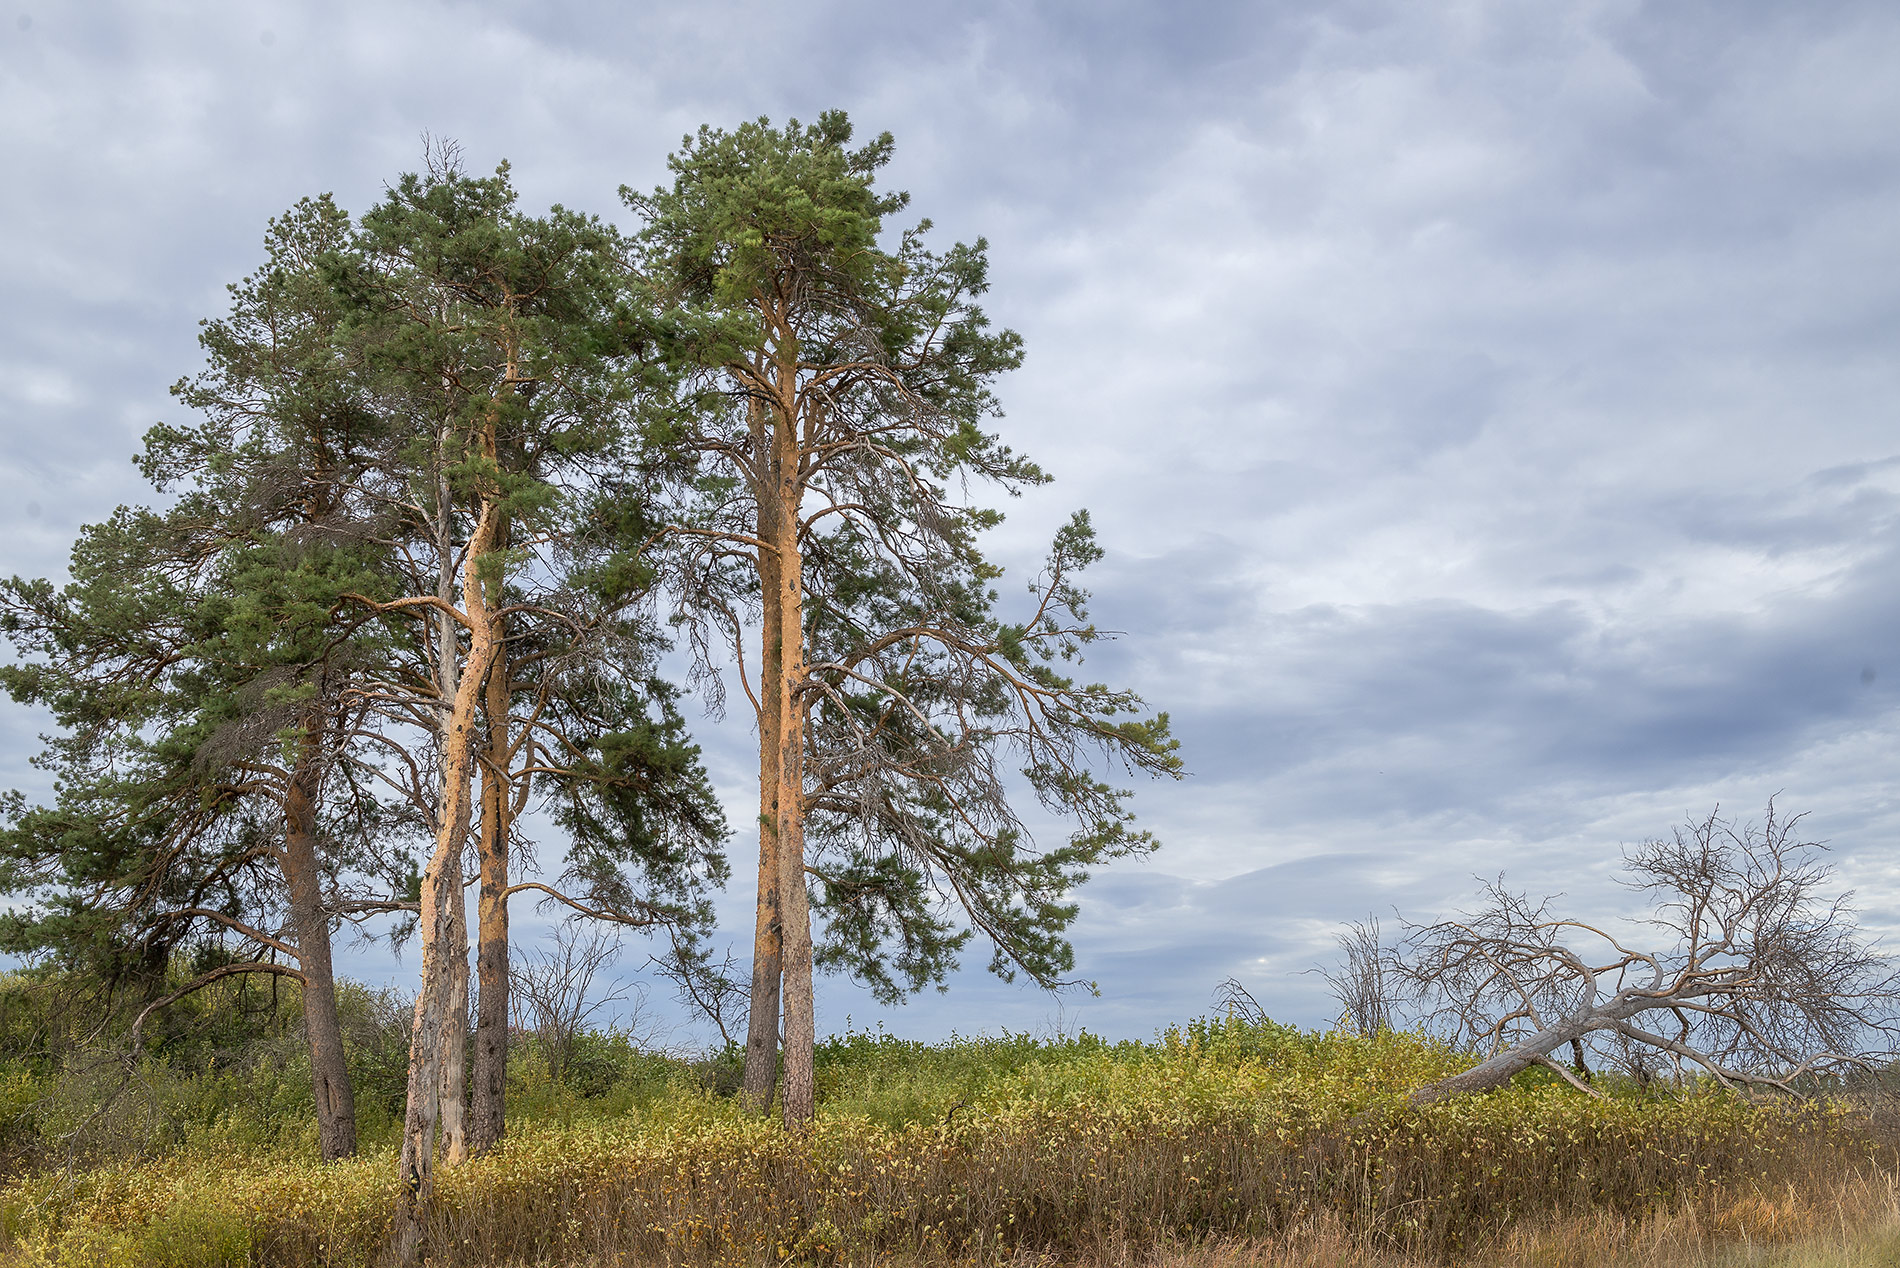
pixel 1769 979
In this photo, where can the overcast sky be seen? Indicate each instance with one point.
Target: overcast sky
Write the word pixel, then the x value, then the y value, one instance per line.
pixel 1489 408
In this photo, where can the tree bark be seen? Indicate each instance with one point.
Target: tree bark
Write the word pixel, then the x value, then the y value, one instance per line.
pixel 329 1071
pixel 440 889
pixel 1495 1071
pixel 455 1023
pixel 762 1020
pixel 489 1116
pixel 798 1098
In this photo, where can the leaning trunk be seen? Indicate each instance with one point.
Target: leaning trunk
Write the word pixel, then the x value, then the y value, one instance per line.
pixel 488 1120
pixel 441 890
pixel 761 1040
pixel 1497 1070
pixel 329 1072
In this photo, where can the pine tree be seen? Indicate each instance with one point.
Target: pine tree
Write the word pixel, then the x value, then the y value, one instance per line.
pixel 517 479
pixel 421 446
pixel 840 390
pixel 203 688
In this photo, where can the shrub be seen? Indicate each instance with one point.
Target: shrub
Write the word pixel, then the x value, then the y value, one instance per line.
pixel 1064 1149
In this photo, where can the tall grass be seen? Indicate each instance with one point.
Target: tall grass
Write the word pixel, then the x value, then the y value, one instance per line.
pixel 1850 1221
pixel 1226 1141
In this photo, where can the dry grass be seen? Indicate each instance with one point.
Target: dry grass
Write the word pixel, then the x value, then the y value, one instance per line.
pixel 1232 1148
pixel 1852 1223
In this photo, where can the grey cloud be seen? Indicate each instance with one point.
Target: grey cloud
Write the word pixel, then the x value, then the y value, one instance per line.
pixel 1487 408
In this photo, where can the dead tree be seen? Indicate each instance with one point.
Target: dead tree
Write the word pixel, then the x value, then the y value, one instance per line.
pixel 554 997
pixel 1362 983
pixel 1756 978
pixel 716 992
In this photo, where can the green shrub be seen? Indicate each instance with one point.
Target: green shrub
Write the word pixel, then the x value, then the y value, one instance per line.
pixel 1063 1150
pixel 974 1148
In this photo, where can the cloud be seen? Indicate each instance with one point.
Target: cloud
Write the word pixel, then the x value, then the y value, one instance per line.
pixel 1487 408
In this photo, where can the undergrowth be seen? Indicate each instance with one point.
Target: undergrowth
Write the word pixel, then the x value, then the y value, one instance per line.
pixel 1226 1136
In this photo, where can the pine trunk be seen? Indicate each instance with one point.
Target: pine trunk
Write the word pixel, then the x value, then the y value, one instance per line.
pixel 762 1021
pixel 441 889
pixel 329 1072
pixel 455 1024
pixel 798 1097
pixel 425 1050
pixel 488 1120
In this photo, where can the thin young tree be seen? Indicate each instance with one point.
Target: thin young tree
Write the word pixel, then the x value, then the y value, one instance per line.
pixel 841 389
pixel 558 994
pixel 1362 982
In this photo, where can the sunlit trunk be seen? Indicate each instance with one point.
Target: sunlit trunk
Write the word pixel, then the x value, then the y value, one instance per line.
pixel 441 891
pixel 795 916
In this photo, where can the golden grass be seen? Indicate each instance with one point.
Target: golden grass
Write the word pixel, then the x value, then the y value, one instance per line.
pixel 1231 1149
pixel 1851 1222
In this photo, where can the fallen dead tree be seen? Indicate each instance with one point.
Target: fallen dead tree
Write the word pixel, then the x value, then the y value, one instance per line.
pixel 1752 976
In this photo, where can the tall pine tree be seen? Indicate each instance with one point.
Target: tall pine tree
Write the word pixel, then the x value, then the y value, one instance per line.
pixel 516 478
pixel 205 691
pixel 841 391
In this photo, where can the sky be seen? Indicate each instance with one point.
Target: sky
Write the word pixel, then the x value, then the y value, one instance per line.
pixel 1489 409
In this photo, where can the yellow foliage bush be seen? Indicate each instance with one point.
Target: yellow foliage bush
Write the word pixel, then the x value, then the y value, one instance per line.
pixel 1222 1131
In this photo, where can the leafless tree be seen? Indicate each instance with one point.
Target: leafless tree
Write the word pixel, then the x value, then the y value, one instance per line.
pixel 553 989
pixel 1757 978
pixel 718 992
pixel 1362 982
pixel 1238 1002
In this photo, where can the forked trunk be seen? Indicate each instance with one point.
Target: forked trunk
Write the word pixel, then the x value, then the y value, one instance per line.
pixel 329 1072
pixel 441 891
pixel 488 1120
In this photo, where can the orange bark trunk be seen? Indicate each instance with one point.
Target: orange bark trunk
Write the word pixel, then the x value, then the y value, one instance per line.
pixel 441 888
pixel 798 1098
